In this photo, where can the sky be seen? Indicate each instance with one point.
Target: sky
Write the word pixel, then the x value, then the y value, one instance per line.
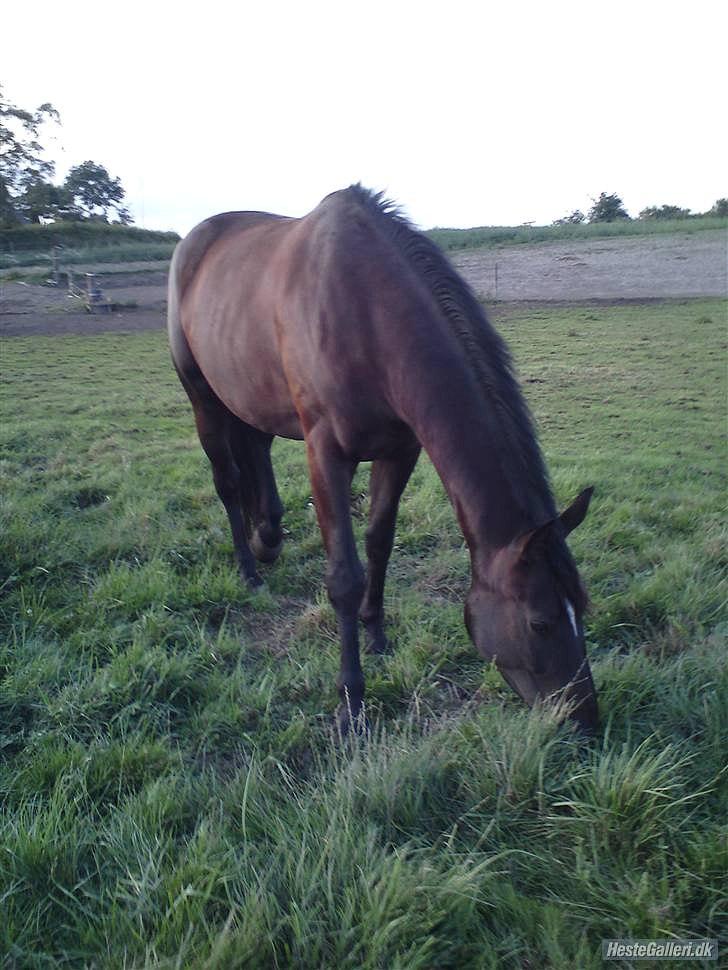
pixel 466 113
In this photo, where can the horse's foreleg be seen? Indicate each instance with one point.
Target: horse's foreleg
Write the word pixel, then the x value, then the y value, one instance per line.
pixel 331 475
pixel 212 428
pixel 387 482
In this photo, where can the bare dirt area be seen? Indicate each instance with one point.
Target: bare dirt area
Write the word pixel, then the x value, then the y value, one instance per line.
pixel 612 270
pixel 620 268
pixel 137 300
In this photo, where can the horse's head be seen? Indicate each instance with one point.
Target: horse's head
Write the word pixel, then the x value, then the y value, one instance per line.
pixel 526 614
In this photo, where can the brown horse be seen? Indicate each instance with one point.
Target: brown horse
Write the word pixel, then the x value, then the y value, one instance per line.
pixel 349 329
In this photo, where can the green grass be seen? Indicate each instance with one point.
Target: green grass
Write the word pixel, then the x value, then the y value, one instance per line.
pixel 82 255
pixel 33 236
pixel 170 791
pixel 40 274
pixel 488 236
pixel 78 243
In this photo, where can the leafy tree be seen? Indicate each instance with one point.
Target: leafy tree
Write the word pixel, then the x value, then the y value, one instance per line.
pixel 21 153
pixel 607 208
pixel 664 212
pixel 45 200
pixel 573 219
pixel 7 209
pixel 95 191
pixel 720 208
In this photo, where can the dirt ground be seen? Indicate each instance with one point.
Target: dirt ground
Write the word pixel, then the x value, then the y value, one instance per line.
pixel 620 268
pixel 611 270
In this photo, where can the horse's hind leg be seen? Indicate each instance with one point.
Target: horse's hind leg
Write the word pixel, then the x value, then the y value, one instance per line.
pixel 213 427
pixel 261 502
pixel 387 482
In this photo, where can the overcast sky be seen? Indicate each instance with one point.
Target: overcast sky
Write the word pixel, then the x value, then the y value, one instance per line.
pixel 467 113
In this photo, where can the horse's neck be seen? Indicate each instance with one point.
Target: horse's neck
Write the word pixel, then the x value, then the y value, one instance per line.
pixel 472 460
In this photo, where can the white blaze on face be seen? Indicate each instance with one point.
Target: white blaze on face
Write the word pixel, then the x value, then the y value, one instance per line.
pixel 572 617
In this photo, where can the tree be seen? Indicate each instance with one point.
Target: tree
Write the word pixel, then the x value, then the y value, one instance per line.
pixel 26 190
pixel 43 200
pixel 664 212
pixel 7 210
pixel 21 153
pixel 720 208
pixel 573 219
pixel 95 191
pixel 607 208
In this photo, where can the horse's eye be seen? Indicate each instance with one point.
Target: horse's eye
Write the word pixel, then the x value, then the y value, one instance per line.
pixel 541 627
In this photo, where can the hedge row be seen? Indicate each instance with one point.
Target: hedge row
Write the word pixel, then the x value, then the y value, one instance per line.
pixel 36 238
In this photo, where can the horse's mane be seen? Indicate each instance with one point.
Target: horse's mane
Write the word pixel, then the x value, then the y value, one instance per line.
pixel 484 350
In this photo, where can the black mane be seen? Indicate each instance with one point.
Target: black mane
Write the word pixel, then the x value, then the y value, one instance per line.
pixel 484 350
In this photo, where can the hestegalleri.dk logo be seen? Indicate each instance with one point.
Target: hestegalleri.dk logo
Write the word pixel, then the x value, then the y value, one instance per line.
pixel 659 949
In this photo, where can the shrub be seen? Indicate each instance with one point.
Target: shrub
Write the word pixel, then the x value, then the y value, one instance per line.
pixel 41 239
pixel 607 208
pixel 664 212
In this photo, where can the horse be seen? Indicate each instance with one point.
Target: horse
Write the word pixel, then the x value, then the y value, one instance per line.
pixel 349 329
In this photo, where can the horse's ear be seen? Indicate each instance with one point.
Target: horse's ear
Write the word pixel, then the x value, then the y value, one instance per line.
pixel 573 516
pixel 531 544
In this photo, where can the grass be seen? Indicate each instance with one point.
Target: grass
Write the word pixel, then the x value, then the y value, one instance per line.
pixel 83 255
pixel 32 236
pixel 40 274
pixel 79 243
pixel 170 791
pixel 488 236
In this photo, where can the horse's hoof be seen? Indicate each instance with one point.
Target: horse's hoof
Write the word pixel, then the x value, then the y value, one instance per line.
pixel 375 640
pixel 262 551
pixel 379 646
pixel 252 582
pixel 348 724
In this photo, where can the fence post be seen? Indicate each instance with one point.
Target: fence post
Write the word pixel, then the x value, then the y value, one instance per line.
pixel 94 296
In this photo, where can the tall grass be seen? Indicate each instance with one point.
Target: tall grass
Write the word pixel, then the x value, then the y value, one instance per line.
pixel 68 256
pixel 486 236
pixel 37 238
pixel 82 242
pixel 171 791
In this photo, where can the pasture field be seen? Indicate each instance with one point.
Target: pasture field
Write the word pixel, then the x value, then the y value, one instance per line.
pixel 487 236
pixel 171 791
pixel 81 242
pixel 32 265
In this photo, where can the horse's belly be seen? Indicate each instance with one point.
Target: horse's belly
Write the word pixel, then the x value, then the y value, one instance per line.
pixel 248 378
pixel 262 402
pixel 275 420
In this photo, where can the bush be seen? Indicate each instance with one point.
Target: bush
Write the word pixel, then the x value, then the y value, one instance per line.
pixel 607 208
pixel 573 219
pixel 664 212
pixel 41 239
